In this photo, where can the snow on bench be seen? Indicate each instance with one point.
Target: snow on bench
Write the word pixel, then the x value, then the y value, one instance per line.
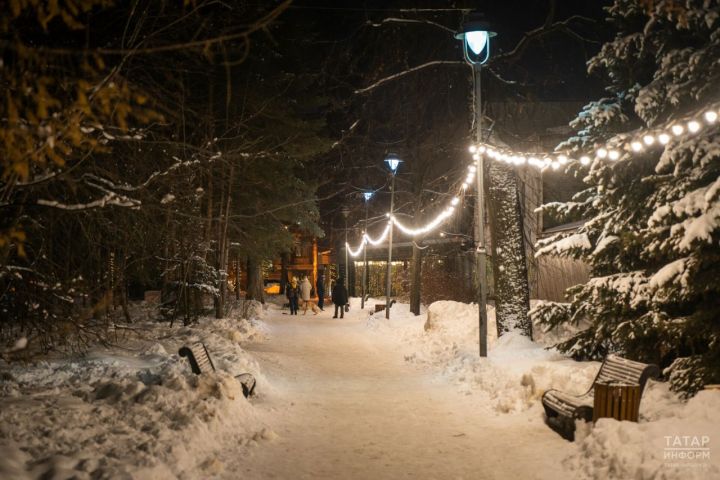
pixel 562 409
pixel 200 361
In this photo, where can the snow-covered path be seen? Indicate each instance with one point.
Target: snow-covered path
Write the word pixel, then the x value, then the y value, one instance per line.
pixel 346 405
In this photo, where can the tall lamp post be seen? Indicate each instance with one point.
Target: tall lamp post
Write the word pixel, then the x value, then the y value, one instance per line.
pixel 393 163
pixel 345 212
pixel 475 35
pixel 367 196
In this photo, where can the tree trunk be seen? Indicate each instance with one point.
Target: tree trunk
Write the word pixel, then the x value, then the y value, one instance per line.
pixel 255 281
pixel 237 278
pixel 416 279
pixel 284 260
pixel 512 291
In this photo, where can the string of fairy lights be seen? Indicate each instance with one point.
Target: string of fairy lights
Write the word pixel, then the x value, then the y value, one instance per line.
pixel 439 219
pixel 612 150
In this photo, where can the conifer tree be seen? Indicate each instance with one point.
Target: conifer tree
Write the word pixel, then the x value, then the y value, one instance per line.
pixel 652 217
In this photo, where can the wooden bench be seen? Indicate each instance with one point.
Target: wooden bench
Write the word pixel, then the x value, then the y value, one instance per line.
pixel 379 307
pixel 562 409
pixel 200 362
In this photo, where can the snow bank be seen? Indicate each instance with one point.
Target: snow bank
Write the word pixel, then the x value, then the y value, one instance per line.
pixel 673 440
pixel 516 373
pixel 511 379
pixel 135 412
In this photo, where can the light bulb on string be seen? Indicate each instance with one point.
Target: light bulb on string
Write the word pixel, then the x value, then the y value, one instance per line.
pixel 636 146
pixel 563 159
pixel 482 149
pixel 455 201
pixel 555 165
pixel 664 138
pixel 677 130
pixel 476 156
pixel 613 155
pixel 585 160
pixel 601 153
pixel 648 140
pixel 693 126
pixel 711 116
pixel 472 149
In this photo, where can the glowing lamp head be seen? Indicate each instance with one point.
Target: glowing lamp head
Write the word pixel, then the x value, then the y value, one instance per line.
pixel 585 160
pixel 636 146
pixel 711 116
pixel 475 35
pixel 393 162
pixel 476 40
pixel 472 149
pixel 677 130
pixel 368 195
pixel 693 126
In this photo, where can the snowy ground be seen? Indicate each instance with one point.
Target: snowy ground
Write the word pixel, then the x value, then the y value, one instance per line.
pixel 359 397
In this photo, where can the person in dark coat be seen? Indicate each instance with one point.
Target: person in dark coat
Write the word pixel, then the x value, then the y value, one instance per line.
pixel 292 292
pixel 320 288
pixel 339 297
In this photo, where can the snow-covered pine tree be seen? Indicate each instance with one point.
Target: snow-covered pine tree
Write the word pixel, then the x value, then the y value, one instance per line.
pixel 653 217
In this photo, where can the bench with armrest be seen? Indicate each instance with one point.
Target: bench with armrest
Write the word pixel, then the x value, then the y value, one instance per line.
pixel 562 409
pixel 200 362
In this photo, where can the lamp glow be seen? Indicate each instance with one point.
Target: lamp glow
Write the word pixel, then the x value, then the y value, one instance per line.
pixel 677 130
pixel 602 153
pixel 711 116
pixel 636 146
pixel 693 126
pixel 393 162
pixel 472 149
pixel 613 155
pixel 648 139
pixel 664 138
pixel 585 160
pixel 476 41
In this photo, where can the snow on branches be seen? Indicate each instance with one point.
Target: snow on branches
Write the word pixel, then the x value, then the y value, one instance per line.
pixel 652 223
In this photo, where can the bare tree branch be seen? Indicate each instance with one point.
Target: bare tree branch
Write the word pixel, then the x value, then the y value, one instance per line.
pixel 409 20
pixel 406 72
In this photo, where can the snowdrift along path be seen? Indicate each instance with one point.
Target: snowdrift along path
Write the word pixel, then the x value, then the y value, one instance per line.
pixel 346 405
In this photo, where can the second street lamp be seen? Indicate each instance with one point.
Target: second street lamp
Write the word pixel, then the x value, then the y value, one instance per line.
pixel 393 163
pixel 367 196
pixel 475 35
pixel 345 212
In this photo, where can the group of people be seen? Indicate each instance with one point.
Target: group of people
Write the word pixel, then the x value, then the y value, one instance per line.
pixel 295 292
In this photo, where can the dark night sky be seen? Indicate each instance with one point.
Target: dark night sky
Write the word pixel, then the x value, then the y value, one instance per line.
pixel 334 41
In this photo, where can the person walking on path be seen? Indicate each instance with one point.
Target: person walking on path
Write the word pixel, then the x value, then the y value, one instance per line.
pixel 339 297
pixel 292 292
pixel 320 285
pixel 305 291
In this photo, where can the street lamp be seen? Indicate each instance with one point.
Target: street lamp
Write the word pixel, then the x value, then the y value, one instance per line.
pixel 367 196
pixel 393 163
pixel 345 212
pixel 475 35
